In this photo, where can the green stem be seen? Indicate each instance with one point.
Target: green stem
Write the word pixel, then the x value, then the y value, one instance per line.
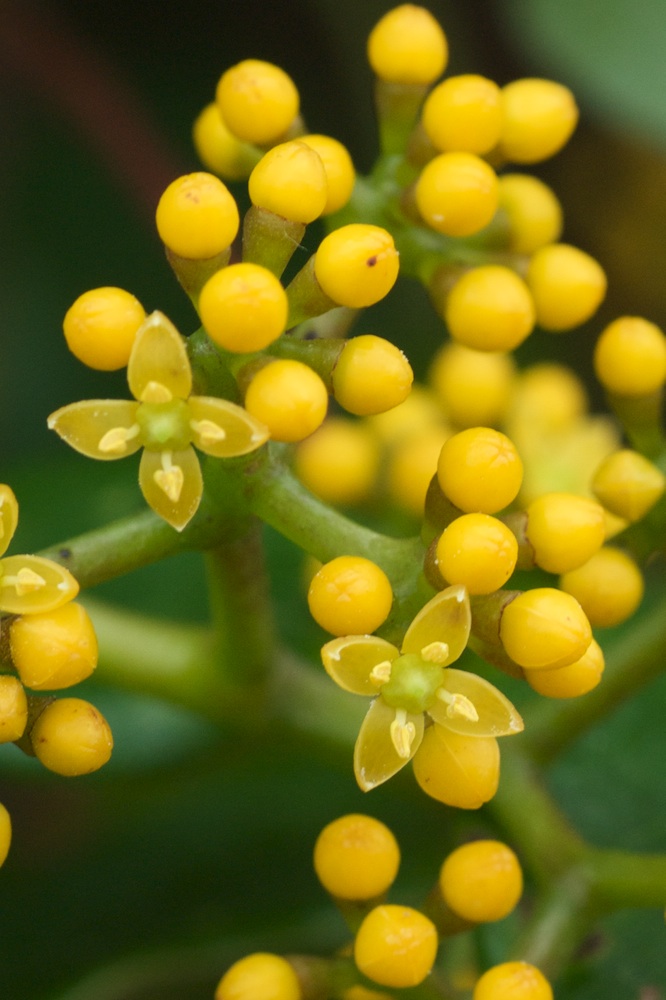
pixel 558 926
pixel 625 879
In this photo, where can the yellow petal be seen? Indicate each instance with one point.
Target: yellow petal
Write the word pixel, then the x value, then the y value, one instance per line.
pixel 444 619
pixel 8 517
pixel 31 584
pixel 159 356
pixel 98 427
pixel 173 486
pixel 350 660
pixel 376 758
pixel 496 715
pixel 222 429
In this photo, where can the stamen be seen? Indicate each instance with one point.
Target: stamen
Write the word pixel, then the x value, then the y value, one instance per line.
pixel 403 734
pixel 435 652
pixel 26 581
pixel 115 441
pixel 209 432
pixel 458 705
pixel 155 392
pixel 381 674
pixel 169 478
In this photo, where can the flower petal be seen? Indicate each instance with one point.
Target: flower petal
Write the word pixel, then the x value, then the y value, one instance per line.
pixel 31 584
pixel 222 429
pixel 8 517
pixel 375 756
pixel 446 618
pixel 86 425
pixel 350 659
pixel 496 715
pixel 172 485
pixel 159 355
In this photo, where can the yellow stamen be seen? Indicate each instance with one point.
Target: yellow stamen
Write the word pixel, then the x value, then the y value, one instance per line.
pixel 169 478
pixel 26 581
pixel 209 432
pixel 155 392
pixel 115 441
pixel 381 674
pixel 403 734
pixel 458 705
pixel 435 652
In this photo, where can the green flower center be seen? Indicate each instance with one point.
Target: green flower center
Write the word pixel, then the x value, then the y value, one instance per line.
pixel 413 683
pixel 165 426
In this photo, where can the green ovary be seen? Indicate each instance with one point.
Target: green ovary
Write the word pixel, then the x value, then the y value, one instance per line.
pixel 413 683
pixel 165 426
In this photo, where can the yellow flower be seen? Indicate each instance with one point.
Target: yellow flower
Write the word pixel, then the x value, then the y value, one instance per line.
pixel 164 420
pixel 28 584
pixel 415 686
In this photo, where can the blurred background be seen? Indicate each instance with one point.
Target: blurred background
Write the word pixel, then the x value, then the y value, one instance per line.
pixel 187 852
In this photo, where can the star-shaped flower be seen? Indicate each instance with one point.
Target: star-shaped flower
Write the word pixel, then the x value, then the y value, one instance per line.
pixel 28 584
pixel 414 686
pixel 164 420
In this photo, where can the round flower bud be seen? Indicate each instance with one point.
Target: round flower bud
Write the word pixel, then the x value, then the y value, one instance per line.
pixel 457 194
pixel 350 595
pixel 513 981
pixel 412 464
pixel 463 113
pixel 13 709
pixel 538 118
pixel 478 551
pixel 55 649
pixel 257 100
pixel 396 946
pixel 534 213
pixel 260 976
pixel 481 881
pixel 547 396
pixel 356 857
pixel 408 46
pixel 357 265
pixel 479 470
pixel 630 357
pixel 473 387
pixel 460 771
pixel 197 216
pixel 244 308
pixel 338 167
pixel 339 462
pixel 289 398
pixel 371 376
pixel 609 586
pixel 71 737
pixel 628 484
pixel 290 181
pixel 490 308
pixel 101 325
pixel 5 833
pixel 567 285
pixel 570 682
pixel 219 150
pixel 564 530
pixel 544 628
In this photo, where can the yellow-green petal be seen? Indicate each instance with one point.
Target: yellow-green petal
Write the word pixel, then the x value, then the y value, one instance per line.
pixel 222 429
pixel 171 484
pixel 8 517
pixel 159 356
pixel 90 423
pixel 496 715
pixel 32 584
pixel 350 660
pixel 446 618
pixel 375 756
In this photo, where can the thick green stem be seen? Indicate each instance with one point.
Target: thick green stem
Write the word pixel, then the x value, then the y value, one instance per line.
pixel 558 926
pixel 625 879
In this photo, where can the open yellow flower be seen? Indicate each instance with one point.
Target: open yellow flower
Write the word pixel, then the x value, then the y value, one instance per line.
pixel 28 584
pixel 415 682
pixel 164 420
